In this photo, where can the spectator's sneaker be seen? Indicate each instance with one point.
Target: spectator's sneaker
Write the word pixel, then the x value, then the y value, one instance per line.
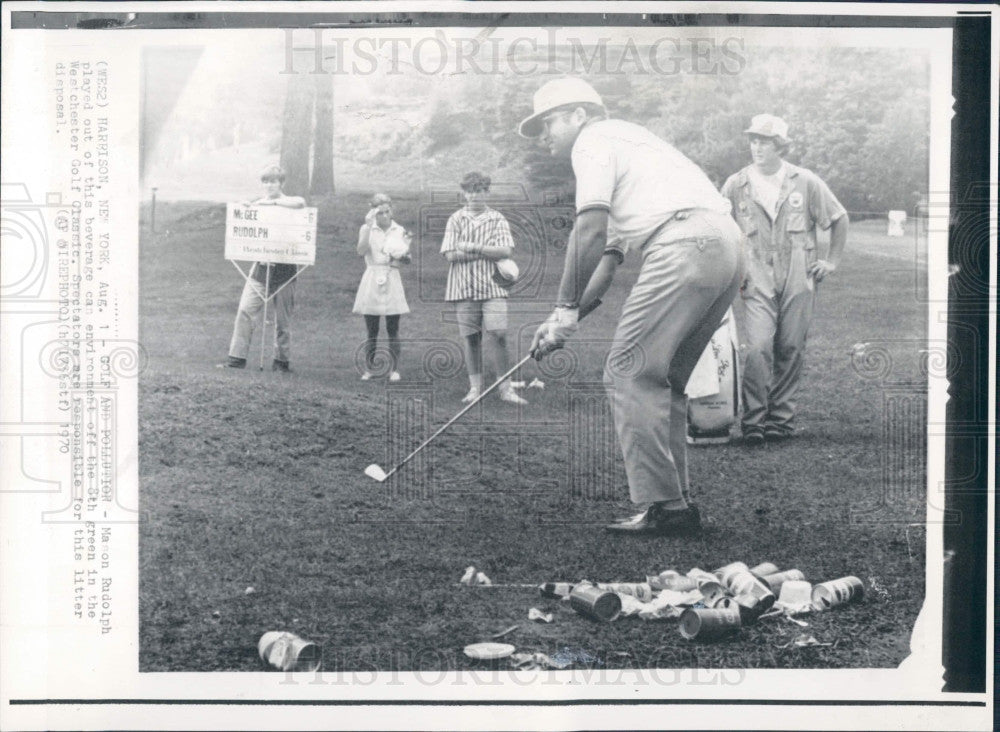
pixel 509 395
pixel 279 365
pixel 472 396
pixel 753 438
pixel 394 376
pixel 658 521
pixel 232 363
pixel 366 376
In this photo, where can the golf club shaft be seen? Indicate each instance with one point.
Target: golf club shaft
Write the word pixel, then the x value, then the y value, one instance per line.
pixel 465 409
pixel 583 313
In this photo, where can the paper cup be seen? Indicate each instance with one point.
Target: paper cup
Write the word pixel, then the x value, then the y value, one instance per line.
pixel 775 581
pixel 287 652
pixel 837 592
pixel 750 608
pixel 706 624
pixel 795 592
pixel 763 569
pixel 595 603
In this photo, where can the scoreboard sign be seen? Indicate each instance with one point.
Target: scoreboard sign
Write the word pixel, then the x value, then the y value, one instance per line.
pixel 273 234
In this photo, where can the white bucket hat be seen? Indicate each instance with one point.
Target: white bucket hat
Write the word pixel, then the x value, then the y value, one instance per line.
pixel 553 94
pixel 767 125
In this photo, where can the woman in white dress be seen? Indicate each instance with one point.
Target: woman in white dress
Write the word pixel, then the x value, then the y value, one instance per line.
pixel 385 245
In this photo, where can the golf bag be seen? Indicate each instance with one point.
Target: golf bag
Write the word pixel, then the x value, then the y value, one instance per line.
pixel 714 387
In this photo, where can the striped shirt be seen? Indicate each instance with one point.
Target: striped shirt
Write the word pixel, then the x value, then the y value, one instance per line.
pixel 473 280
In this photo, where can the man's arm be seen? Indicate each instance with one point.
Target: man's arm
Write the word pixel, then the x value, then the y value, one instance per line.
pixel 583 253
pixel 838 239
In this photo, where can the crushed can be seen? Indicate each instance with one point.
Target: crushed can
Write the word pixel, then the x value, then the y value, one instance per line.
pixel 555 590
pixel 744 583
pixel 595 603
pixel 641 591
pixel 837 592
pixel 287 652
pixel 711 591
pixel 750 608
pixel 764 569
pixel 708 624
pixel 775 581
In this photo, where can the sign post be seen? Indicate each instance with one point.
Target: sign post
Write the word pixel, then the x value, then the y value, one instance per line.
pixel 268 234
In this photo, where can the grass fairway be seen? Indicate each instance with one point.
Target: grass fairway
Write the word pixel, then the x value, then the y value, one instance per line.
pixel 255 479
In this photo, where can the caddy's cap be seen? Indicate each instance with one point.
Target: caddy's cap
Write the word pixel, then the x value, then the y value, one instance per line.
pixel 767 125
pixel 557 93
pixel 506 272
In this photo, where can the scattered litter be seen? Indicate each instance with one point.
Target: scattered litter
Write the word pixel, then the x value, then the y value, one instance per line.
pixel 249 591
pixel 858 349
pixel 671 580
pixel 764 568
pixel 469 578
pixel 837 592
pixel 216 614
pixel 533 661
pixel 804 641
pixel 285 651
pixel 554 590
pixel 488 651
pixel 594 603
pixel 506 631
pixel 704 624
pixel 536 614
pixel 482 579
pixel 795 598
pixel 517 385
pixel 536 384
pixel 641 591
pixel 567 656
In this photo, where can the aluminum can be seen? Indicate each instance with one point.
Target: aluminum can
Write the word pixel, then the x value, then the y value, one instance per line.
pixel 595 603
pixel 764 568
pixel 837 592
pixel 745 583
pixel 707 624
pixel 287 652
pixel 641 591
pixel 554 590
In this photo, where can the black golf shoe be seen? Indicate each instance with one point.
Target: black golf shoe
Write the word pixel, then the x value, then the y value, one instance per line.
pixel 659 521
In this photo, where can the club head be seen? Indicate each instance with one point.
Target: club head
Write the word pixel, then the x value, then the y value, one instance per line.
pixel 374 472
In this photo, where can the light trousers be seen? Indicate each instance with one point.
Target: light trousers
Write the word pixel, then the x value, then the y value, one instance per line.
pixel 251 305
pixel 778 314
pixel 684 288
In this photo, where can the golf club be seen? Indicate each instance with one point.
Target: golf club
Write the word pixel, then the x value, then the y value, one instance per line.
pixel 375 472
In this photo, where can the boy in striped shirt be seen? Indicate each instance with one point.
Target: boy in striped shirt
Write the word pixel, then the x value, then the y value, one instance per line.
pixel 475 238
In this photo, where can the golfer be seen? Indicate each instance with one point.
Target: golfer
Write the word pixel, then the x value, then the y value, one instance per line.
pixel 779 206
pixel 385 245
pixel 634 192
pixel 476 237
pixel 279 279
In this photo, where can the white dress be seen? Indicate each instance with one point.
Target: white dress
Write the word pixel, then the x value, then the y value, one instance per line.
pixel 381 289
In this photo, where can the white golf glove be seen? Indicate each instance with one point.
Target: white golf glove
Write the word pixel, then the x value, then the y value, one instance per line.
pixel 554 332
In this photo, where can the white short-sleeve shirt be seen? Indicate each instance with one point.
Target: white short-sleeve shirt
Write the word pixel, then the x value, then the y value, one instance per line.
pixel 640 179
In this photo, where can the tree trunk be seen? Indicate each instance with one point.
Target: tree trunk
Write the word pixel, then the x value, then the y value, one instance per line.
pixel 296 134
pixel 322 171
